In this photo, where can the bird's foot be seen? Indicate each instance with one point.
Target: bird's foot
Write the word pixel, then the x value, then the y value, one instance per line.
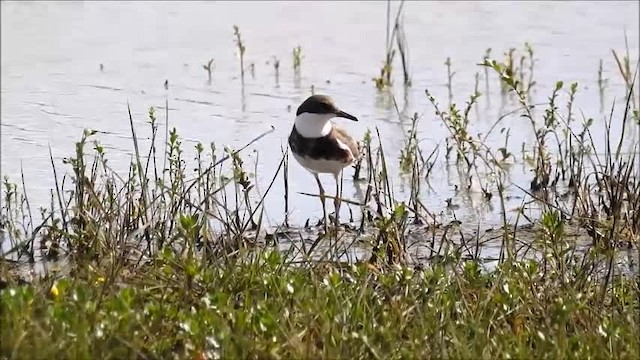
pixel 330 227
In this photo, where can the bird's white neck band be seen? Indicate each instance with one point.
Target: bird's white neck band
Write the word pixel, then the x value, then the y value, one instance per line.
pixel 312 125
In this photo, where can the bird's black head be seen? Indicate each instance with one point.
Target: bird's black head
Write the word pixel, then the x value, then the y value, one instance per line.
pixel 322 104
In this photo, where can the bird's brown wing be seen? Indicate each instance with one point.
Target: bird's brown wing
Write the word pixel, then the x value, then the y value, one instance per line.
pixel 326 147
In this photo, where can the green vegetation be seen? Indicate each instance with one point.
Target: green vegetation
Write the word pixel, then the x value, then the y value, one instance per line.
pixel 265 308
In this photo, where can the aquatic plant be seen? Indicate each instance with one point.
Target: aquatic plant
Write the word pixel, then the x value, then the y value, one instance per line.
pixel 297 58
pixel 209 66
pixel 384 80
pixel 241 48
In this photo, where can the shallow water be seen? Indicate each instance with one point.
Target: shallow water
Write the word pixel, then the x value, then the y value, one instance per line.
pixel 53 87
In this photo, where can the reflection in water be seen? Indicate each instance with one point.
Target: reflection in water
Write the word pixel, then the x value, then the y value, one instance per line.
pixel 384 101
pixel 276 68
pixel 243 98
pixel 297 80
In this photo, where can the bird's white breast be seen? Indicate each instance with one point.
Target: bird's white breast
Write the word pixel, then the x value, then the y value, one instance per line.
pixel 320 165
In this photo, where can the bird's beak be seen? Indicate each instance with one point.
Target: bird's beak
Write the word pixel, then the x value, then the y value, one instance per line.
pixel 343 114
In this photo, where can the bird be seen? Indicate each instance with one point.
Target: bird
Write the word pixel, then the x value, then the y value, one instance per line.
pixel 320 146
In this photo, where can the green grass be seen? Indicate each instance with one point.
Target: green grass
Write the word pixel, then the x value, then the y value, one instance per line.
pixel 262 308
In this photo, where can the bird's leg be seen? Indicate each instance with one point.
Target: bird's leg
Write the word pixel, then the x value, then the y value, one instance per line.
pixel 337 200
pixel 322 198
